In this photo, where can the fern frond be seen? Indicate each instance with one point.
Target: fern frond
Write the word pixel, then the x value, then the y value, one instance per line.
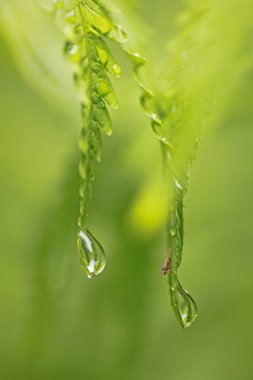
pixel 202 66
pixel 184 120
pixel 87 26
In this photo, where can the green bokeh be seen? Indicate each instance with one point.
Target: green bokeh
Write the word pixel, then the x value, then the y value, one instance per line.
pixel 56 324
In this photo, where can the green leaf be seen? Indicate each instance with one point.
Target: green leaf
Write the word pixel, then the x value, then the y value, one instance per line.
pixel 87 25
pixel 202 66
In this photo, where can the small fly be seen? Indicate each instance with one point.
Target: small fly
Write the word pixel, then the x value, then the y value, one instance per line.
pixel 167 263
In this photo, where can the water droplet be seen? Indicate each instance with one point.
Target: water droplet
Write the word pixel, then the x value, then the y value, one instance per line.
pixel 159 129
pixel 73 51
pixel 173 231
pixel 136 58
pixel 91 253
pixel 116 69
pixel 178 185
pixel 183 304
pixel 104 56
pixel 70 16
pixel 156 119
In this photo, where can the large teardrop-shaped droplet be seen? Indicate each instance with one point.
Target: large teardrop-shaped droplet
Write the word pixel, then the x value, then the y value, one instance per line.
pixel 183 304
pixel 91 252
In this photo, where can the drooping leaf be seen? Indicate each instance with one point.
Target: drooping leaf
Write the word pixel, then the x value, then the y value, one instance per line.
pixel 87 25
pixel 201 69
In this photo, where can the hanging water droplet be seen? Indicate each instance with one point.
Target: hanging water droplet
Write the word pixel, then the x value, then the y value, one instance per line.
pixel 136 58
pixel 110 64
pixel 116 69
pixel 156 119
pixel 183 303
pixel 70 16
pixel 91 253
pixel 73 51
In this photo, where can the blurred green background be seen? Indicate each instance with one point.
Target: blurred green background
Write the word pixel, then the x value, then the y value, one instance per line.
pixel 55 323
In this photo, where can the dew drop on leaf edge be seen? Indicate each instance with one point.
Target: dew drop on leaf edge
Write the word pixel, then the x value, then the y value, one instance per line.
pixel 91 253
pixel 183 304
